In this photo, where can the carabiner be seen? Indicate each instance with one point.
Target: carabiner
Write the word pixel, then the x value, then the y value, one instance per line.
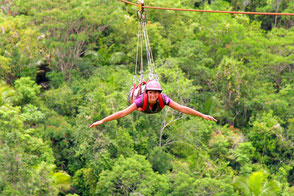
pixel 141 14
pixel 140 5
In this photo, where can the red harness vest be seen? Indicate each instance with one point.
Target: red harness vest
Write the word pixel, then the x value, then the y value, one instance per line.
pixel 145 101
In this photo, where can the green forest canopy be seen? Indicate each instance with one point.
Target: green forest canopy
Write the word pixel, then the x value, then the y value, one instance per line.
pixel 65 64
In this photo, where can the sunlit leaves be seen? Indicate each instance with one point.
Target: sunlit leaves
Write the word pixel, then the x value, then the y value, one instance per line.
pixel 7 94
pixel 131 175
pixel 28 91
pixel 4 67
pixel 257 184
pixel 20 47
pixel 32 114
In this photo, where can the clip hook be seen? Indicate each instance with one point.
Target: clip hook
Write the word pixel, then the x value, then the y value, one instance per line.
pixel 140 5
pixel 141 12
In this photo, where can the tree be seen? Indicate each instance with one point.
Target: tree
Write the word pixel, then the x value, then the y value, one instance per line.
pixel 269 23
pixel 20 48
pixel 243 155
pixel 277 58
pixel 257 184
pixel 208 186
pixel 233 86
pixel 132 175
pixel 70 30
pixel 27 91
pixel 7 94
pixel 195 61
pixel 4 67
pixel 27 162
pixel 183 184
pixel 160 160
pixel 19 153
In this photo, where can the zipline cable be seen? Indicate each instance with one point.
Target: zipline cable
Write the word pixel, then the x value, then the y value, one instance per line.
pixel 213 11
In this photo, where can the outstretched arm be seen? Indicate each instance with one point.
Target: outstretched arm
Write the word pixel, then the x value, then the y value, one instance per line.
pixel 190 111
pixel 116 115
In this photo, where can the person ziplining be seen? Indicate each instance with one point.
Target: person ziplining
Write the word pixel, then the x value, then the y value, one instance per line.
pixel 147 97
pixel 154 102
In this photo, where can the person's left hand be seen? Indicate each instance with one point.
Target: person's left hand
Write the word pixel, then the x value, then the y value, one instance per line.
pixel 100 122
pixel 207 117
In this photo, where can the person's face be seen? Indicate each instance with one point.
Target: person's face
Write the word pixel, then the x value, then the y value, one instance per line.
pixel 152 96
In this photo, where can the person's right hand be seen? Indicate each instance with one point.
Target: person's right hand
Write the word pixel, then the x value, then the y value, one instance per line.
pixel 100 122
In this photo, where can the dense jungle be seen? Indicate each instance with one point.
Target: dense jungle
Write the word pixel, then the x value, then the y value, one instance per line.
pixel 65 64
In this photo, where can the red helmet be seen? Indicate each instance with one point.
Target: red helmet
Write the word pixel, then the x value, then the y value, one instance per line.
pixel 153 85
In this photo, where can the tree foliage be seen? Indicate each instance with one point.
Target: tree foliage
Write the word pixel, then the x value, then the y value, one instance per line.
pixel 237 68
